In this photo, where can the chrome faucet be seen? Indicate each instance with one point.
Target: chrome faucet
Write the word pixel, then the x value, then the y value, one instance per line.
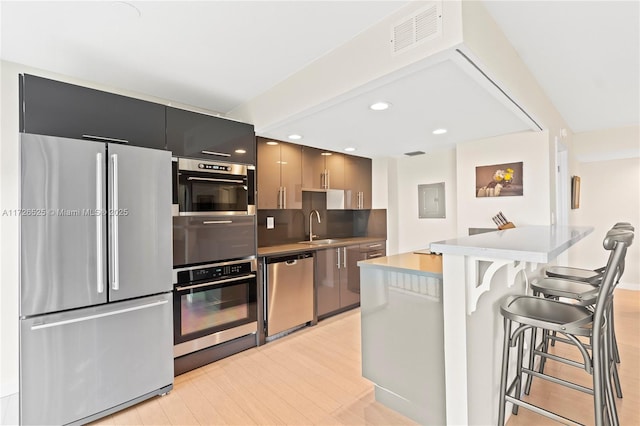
pixel 311 223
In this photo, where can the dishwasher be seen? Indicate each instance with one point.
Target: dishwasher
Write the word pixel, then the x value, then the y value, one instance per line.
pixel 289 301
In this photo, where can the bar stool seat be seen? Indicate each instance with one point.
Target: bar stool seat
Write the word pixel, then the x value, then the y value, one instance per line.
pixel 575 274
pixel 549 314
pixel 583 293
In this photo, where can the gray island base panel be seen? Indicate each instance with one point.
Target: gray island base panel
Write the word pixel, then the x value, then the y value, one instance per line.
pixel 455 377
pixel 402 334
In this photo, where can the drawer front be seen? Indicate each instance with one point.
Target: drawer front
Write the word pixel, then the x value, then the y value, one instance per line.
pixel 206 239
pixel 374 246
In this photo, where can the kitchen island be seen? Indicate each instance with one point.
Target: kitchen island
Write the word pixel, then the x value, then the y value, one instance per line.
pixel 431 327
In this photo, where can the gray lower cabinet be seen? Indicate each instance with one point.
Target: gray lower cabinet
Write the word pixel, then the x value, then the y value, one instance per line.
pixel 358 253
pixel 332 277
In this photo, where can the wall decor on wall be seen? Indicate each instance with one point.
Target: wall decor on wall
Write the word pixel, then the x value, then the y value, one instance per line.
pixel 431 201
pixel 575 192
pixel 499 180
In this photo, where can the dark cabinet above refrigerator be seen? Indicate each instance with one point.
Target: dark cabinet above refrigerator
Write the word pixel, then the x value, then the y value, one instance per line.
pixel 55 108
pixel 191 134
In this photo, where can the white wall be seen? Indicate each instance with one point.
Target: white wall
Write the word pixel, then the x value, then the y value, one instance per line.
pixel 532 208
pixel 412 233
pixel 607 144
pixel 8 230
pixel 610 192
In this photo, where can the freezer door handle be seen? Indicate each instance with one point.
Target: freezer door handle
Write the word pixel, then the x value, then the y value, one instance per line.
pixel 99 228
pixel 105 314
pixel 115 284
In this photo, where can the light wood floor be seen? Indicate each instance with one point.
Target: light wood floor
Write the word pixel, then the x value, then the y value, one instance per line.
pixel 314 377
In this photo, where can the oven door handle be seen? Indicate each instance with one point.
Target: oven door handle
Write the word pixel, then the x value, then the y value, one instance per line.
pixel 228 280
pixel 216 180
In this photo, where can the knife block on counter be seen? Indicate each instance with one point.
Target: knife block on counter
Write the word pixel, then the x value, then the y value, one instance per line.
pixel 506 226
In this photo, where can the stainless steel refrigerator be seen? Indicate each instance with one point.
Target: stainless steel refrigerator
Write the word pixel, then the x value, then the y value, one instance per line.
pixel 95 278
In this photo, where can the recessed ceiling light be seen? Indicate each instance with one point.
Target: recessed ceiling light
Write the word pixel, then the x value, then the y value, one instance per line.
pixel 350 149
pixel 295 137
pixel 379 106
pixel 241 151
pixel 272 143
pixel 439 131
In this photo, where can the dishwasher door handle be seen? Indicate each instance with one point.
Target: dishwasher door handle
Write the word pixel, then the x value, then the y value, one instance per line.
pixel 291 262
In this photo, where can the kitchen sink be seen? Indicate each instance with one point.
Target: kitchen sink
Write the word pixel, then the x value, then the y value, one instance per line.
pixel 320 242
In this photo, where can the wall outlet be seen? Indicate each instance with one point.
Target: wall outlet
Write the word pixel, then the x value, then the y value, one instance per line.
pixel 270 222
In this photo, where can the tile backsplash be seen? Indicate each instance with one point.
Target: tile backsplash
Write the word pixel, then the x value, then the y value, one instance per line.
pixel 293 225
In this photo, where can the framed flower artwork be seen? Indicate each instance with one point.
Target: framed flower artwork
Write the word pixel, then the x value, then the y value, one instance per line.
pixel 499 180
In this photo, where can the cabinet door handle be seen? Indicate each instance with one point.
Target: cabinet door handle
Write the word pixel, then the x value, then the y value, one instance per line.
pixel 374 245
pixel 219 154
pixel 215 222
pixel 328 179
pixel 104 139
pixel 344 257
pixel 338 250
pixel 279 202
pixel 371 256
pixel 284 197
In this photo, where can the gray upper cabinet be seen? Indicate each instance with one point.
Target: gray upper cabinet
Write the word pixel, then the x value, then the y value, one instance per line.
pixel 322 169
pixel 54 108
pixel 357 177
pixel 279 174
pixel 191 134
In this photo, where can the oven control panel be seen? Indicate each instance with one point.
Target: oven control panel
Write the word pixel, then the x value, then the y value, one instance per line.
pixel 215 272
pixel 215 167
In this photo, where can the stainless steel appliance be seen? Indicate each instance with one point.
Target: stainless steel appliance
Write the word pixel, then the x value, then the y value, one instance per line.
pixel 213 188
pixel 95 278
pixel 289 301
pixel 215 312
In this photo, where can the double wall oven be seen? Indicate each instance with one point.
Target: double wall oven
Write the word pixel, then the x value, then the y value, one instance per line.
pixel 214 261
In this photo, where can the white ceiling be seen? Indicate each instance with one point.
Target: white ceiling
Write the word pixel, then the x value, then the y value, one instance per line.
pixel 585 54
pixel 218 55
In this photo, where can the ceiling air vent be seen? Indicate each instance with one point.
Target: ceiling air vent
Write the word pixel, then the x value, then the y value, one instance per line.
pixel 414 153
pixel 423 25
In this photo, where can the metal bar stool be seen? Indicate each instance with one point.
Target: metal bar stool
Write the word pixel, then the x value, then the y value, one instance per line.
pixel 572 321
pixel 579 285
pixel 592 277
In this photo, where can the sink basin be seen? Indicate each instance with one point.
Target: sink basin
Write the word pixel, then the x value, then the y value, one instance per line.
pixel 320 242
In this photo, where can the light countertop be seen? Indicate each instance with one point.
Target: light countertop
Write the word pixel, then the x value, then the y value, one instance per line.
pixel 539 244
pixel 423 264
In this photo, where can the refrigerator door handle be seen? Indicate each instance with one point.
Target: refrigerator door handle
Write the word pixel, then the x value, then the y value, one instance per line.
pixel 113 214
pixel 99 226
pixel 102 315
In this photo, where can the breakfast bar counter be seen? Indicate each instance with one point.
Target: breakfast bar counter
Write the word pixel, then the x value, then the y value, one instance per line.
pixel 431 327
